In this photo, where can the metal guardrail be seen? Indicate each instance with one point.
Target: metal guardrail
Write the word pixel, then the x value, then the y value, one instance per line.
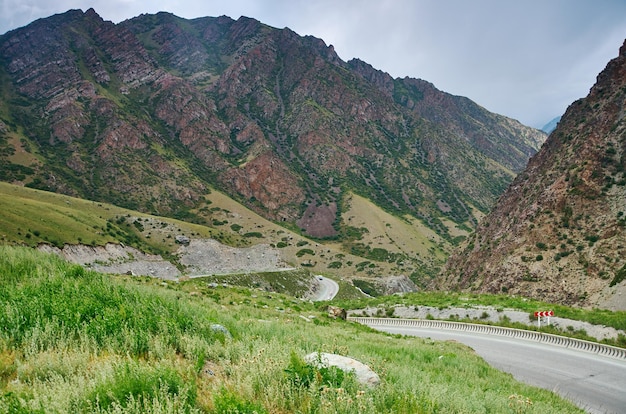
pixel 572 343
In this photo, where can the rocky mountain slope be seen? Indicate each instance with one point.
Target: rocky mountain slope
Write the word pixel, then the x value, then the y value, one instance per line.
pixel 559 231
pixel 153 112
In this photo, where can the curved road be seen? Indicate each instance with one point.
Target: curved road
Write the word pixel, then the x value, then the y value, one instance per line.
pixel 595 383
pixel 328 289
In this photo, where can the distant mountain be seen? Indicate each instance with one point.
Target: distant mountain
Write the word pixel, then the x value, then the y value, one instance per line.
pixel 155 111
pixel 551 126
pixel 559 231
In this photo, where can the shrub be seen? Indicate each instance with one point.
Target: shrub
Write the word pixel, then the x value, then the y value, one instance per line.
pixel 301 374
pixel 253 234
pixel 620 275
pixel 302 252
pixel 366 287
pixel 227 402
pixel 140 383
pixel 138 225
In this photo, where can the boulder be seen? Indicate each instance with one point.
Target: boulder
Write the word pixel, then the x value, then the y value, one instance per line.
pixel 336 312
pixel 221 329
pixel 184 240
pixel 364 374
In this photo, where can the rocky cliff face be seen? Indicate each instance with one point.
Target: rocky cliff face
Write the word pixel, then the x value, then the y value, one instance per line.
pixel 152 112
pixel 559 231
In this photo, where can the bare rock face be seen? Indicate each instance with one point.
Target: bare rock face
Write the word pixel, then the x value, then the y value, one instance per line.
pixel 268 180
pixel 115 258
pixel 395 284
pixel 364 374
pixel 206 257
pixel 198 256
pixel 559 231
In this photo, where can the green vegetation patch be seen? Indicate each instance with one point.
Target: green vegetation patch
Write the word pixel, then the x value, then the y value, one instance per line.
pixel 620 275
pixel 78 341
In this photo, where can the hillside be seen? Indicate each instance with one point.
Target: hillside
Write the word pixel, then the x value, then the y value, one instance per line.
pixel 559 231
pixel 153 113
pixel 79 341
pixel 115 240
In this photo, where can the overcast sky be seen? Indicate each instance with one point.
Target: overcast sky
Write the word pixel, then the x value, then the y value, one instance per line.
pixel 526 59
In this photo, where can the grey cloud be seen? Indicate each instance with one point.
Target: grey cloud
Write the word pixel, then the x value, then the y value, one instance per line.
pixel 527 60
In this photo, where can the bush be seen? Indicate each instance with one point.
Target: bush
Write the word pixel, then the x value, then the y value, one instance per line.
pixel 366 287
pixel 620 275
pixel 302 252
pixel 301 374
pixel 227 402
pixel 253 234
pixel 142 384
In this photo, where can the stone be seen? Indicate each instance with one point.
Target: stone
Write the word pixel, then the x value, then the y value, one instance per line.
pixel 221 329
pixel 184 240
pixel 337 313
pixel 364 374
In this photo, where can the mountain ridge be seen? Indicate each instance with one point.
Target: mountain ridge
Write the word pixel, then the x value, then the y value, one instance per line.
pixel 152 112
pixel 557 233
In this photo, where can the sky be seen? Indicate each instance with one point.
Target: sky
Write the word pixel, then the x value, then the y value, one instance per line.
pixel 525 59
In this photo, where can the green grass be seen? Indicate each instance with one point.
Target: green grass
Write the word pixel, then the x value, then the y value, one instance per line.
pixel 294 282
pixel 31 217
pixel 77 341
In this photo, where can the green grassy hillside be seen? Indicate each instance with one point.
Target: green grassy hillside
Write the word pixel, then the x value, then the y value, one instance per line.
pixel 30 217
pixel 78 341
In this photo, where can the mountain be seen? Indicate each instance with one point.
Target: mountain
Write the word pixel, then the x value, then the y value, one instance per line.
pixel 153 113
pixel 558 233
pixel 551 126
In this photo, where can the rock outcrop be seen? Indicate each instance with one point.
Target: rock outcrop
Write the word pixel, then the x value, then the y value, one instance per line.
pixel 559 231
pixel 364 374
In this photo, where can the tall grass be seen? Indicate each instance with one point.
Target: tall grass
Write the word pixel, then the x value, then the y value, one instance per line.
pixel 77 341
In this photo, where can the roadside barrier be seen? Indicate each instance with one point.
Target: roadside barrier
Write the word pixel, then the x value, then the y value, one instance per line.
pixel 572 343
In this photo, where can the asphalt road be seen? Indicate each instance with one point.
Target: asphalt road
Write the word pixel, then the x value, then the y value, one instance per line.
pixel 328 289
pixel 595 383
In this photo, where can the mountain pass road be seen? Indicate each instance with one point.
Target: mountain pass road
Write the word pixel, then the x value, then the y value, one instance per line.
pixel 328 289
pixel 593 382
